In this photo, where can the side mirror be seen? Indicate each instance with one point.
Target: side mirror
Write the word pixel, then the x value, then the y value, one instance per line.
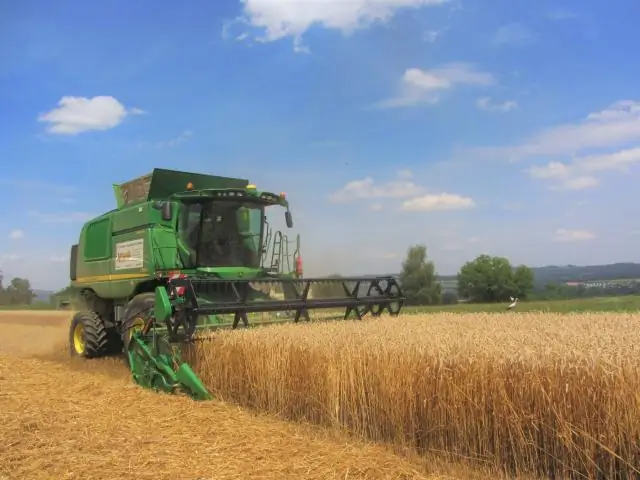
pixel 288 218
pixel 167 211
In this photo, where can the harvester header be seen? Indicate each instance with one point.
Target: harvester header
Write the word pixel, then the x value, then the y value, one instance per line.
pixel 187 253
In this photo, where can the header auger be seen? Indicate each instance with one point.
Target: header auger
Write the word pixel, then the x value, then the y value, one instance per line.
pixel 184 254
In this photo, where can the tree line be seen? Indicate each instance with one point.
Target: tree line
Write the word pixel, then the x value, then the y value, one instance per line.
pixel 484 279
pixel 17 292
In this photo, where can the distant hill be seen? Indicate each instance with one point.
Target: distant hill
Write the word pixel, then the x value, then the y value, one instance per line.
pixel 574 273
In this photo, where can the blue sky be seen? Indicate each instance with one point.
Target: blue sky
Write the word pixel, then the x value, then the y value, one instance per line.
pixel 500 127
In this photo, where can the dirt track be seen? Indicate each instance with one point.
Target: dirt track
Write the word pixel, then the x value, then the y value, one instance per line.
pixel 86 420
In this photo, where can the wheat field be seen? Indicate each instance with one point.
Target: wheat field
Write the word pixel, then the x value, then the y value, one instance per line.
pixel 554 396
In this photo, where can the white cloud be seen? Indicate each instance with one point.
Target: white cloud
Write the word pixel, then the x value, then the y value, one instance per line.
pixel 580 173
pixel 405 173
pixel 16 234
pixel 615 126
pixel 183 137
pixel 484 103
pixel 376 207
pixel 564 235
pixel 62 217
pixel 368 189
pixel 10 257
pixel 580 183
pixel 438 202
pixel 278 19
pixel 561 14
pixel 551 170
pixel 172 142
pixel 59 258
pixel 431 36
pixel 422 86
pixel 513 34
pixel 80 114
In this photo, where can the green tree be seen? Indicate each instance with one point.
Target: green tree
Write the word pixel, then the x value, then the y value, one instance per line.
pixel 18 292
pixel 418 278
pixel 492 279
pixel 522 281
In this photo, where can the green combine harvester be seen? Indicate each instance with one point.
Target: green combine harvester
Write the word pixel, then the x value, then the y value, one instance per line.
pixel 185 253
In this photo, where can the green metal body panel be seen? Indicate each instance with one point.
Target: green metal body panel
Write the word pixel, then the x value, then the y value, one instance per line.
pixel 131 245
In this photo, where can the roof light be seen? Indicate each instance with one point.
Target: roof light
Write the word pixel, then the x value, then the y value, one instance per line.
pixel 283 195
pixel 251 186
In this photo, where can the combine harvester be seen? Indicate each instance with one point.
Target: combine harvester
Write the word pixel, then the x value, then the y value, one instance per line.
pixel 184 253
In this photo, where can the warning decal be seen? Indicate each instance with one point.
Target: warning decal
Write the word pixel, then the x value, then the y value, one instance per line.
pixel 129 254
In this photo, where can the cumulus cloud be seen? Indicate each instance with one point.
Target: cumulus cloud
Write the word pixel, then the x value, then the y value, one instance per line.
pixel 485 103
pixel 438 202
pixel 183 137
pixel 565 235
pixel 602 141
pixel 405 173
pixel 75 115
pixel 513 34
pixel 424 86
pixel 580 173
pixel 614 126
pixel 16 234
pixel 560 14
pixel 278 19
pixel 367 188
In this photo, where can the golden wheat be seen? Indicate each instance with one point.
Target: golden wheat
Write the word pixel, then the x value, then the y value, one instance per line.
pixel 552 395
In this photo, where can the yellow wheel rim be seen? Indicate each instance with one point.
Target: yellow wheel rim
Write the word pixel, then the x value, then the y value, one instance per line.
pixel 136 326
pixel 78 338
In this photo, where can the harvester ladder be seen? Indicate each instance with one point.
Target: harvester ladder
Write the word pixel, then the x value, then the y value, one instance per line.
pixel 285 253
pixel 276 252
pixel 266 244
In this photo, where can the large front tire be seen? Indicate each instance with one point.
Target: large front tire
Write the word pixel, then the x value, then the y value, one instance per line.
pixel 88 336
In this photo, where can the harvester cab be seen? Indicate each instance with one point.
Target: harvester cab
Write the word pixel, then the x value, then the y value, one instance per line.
pixel 184 254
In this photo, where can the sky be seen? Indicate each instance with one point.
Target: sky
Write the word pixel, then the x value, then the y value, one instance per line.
pixel 469 126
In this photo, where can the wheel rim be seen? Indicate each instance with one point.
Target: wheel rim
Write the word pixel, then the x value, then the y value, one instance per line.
pixel 78 339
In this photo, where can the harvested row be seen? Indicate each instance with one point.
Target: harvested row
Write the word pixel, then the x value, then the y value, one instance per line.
pixel 544 394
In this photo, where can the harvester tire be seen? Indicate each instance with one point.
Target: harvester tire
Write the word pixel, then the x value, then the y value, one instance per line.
pixel 136 310
pixel 88 336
